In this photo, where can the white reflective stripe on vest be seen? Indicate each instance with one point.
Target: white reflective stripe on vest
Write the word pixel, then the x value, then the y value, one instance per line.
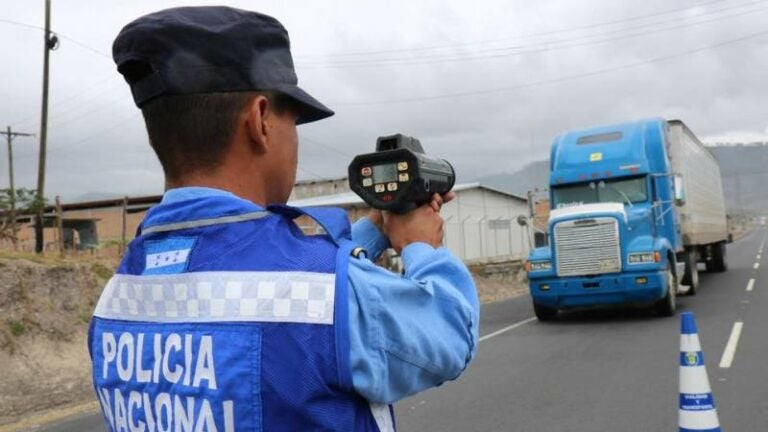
pixel 295 297
pixel 383 417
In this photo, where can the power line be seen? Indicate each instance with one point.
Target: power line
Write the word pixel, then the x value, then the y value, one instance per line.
pixel 100 132
pixel 312 173
pixel 327 146
pixel 62 36
pixel 69 146
pixel 84 46
pixel 523 36
pixel 556 80
pixel 98 108
pixel 21 24
pixel 501 52
pixel 417 49
pixel 82 97
pixel 483 42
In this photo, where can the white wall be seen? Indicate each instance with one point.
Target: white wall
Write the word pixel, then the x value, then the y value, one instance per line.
pixel 481 225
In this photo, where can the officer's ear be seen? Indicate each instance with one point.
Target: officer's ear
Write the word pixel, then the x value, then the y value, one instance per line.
pixel 257 123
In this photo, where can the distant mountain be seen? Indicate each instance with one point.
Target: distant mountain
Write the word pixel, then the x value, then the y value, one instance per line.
pixel 744 168
pixel 532 176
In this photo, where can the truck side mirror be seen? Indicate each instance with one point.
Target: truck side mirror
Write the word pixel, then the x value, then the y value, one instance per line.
pixel 679 191
pixel 522 220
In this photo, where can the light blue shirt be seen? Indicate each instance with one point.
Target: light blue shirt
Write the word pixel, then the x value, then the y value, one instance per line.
pixel 408 332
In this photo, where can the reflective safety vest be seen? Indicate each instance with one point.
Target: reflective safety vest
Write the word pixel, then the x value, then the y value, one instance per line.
pixel 232 323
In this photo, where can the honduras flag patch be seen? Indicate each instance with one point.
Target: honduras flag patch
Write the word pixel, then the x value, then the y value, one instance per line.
pixel 167 256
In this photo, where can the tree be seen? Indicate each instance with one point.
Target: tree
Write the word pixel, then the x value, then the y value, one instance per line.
pixel 26 203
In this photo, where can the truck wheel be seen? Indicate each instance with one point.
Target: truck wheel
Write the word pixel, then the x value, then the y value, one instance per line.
pixel 667 305
pixel 544 313
pixel 691 276
pixel 719 262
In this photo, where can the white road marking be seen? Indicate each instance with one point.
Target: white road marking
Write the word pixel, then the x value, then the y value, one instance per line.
pixel 508 328
pixel 730 347
pixel 757 266
pixel 758 256
pixel 751 284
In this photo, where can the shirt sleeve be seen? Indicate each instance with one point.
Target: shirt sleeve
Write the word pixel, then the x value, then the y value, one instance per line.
pixel 367 235
pixel 413 332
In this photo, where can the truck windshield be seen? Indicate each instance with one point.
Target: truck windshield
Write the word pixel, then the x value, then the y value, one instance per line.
pixel 623 191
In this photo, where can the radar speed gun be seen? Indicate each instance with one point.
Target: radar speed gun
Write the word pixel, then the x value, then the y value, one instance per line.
pixel 398 176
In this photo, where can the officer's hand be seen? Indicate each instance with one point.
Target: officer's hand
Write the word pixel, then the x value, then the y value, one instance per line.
pixel 422 224
pixel 438 200
pixel 376 218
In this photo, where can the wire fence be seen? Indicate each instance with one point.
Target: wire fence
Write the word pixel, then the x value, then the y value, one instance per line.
pixel 486 240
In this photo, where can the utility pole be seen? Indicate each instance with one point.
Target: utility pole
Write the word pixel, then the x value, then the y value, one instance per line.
pixel 50 42
pixel 10 135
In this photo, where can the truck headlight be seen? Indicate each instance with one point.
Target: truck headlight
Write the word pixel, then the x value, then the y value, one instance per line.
pixel 540 265
pixel 644 257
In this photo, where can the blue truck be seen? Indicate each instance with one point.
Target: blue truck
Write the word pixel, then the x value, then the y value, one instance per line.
pixel 635 207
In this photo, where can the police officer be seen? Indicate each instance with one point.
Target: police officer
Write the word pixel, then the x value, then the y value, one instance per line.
pixel 223 315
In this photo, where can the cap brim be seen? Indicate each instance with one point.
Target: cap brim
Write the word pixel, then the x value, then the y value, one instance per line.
pixel 309 108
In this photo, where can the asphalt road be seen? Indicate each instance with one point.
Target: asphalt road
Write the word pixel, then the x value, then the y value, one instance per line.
pixel 609 370
pixel 599 371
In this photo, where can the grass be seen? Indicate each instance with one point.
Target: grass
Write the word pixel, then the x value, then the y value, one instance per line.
pixel 17 328
pixel 101 270
pixel 51 258
pixel 85 316
pixel 101 264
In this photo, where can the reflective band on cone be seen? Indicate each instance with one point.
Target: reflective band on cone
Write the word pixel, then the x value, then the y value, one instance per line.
pixel 697 405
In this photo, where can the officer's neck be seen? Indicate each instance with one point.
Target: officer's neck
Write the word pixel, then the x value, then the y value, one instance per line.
pixel 251 189
pixel 248 169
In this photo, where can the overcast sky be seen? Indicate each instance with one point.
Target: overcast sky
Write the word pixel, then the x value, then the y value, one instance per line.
pixel 484 84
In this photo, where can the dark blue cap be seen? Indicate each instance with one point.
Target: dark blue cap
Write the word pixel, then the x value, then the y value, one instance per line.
pixel 210 49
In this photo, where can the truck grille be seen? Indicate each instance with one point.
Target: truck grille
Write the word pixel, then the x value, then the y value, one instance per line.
pixel 587 247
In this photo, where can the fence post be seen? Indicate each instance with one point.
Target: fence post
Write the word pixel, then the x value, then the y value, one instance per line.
pixel 522 242
pixel 480 231
pixel 60 225
pixel 125 226
pixel 463 239
pixel 446 230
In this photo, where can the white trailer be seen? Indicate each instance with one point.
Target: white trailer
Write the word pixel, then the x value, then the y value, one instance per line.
pixel 701 202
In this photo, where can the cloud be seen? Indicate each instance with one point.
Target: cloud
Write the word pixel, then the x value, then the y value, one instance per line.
pixel 737 137
pixel 411 50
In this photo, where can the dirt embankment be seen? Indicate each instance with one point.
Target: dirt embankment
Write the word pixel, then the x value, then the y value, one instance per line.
pixel 499 281
pixel 45 307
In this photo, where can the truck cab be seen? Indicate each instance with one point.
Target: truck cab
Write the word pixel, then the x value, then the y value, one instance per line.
pixel 614 228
